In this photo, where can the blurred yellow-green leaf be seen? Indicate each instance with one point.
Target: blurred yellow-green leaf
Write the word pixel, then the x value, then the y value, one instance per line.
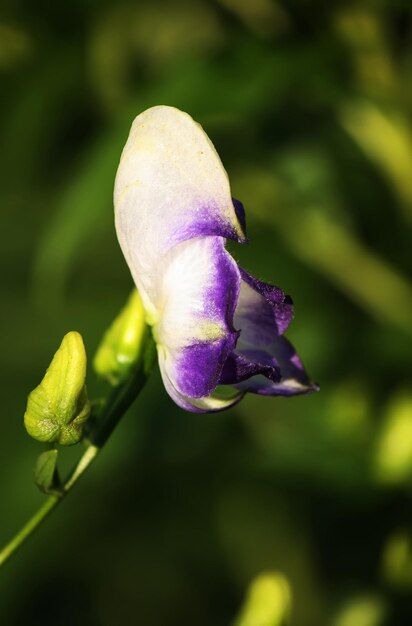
pixel 268 602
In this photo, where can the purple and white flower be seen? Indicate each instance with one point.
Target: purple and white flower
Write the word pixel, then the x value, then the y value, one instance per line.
pixel 217 328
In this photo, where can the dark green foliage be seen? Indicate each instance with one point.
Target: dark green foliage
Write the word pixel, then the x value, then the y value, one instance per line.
pixel 309 106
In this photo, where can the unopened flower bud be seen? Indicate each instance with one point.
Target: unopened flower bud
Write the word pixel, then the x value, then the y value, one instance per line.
pixel 123 343
pixel 57 410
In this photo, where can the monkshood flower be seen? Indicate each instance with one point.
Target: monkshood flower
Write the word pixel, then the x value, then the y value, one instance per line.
pixel 218 330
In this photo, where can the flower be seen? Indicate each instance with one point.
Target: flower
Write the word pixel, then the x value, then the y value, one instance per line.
pixel 217 328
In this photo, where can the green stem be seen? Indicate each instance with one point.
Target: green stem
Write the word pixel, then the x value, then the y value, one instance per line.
pixel 45 510
pixel 49 505
pixel 116 406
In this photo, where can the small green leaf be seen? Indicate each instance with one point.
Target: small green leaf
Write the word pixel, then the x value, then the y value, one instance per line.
pixel 45 473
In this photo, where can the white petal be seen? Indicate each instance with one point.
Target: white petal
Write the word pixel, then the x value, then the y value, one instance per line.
pixel 170 186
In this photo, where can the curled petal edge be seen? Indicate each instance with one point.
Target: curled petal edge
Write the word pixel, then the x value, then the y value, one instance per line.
pixel 208 404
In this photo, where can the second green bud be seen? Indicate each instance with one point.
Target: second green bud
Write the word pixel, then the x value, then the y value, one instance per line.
pixel 123 343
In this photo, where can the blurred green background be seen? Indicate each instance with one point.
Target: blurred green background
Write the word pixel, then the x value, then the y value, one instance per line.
pixel 309 105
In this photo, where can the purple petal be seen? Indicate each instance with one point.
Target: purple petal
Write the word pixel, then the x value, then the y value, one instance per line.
pixel 294 379
pixel 209 404
pixel 264 361
pixel 198 297
pixel 274 307
pixel 240 367
pixel 198 368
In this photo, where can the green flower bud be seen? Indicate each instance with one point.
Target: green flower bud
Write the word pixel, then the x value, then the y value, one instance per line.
pixel 57 410
pixel 123 343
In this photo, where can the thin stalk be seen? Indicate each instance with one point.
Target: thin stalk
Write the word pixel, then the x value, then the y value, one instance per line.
pixel 33 523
